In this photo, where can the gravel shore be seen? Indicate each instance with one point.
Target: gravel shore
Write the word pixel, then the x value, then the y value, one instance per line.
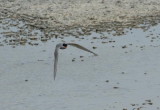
pixel 74 13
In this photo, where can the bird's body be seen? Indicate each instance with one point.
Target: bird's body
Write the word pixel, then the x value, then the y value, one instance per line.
pixel 64 46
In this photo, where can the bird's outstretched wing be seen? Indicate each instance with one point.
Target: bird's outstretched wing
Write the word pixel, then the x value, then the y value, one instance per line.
pixel 82 48
pixel 55 61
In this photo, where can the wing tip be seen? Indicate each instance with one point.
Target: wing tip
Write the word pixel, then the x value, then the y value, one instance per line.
pixel 54 76
pixel 95 54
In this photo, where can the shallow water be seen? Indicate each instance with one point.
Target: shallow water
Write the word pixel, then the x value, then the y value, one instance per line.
pixel 125 75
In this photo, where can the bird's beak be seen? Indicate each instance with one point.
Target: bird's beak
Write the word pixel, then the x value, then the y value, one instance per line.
pixel 64 47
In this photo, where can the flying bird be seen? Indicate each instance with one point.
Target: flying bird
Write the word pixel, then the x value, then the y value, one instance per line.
pixel 64 46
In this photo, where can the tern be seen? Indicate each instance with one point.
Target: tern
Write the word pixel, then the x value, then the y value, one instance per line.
pixel 64 46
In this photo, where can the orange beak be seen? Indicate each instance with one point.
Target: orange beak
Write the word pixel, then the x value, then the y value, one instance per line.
pixel 64 47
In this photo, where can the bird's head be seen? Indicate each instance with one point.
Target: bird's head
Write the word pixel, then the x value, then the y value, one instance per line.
pixel 63 46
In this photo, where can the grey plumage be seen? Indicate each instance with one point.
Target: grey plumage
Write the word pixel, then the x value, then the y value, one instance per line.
pixel 81 47
pixel 64 46
pixel 56 59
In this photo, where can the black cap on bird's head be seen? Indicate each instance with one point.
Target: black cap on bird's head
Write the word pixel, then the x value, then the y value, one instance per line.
pixel 64 46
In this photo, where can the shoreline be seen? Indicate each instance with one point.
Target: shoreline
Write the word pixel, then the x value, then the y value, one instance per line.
pixel 35 15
